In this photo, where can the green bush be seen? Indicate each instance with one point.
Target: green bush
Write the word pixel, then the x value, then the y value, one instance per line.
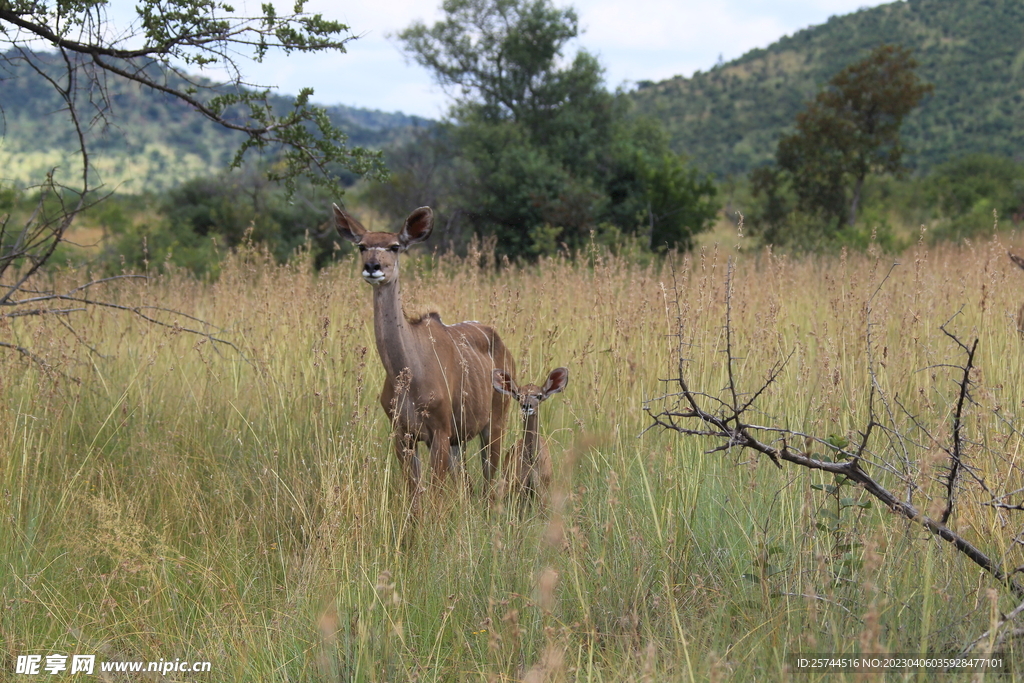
pixel 193 224
pixel 971 193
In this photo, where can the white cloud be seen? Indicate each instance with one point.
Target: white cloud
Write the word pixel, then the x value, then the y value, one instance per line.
pixel 666 38
pixel 657 39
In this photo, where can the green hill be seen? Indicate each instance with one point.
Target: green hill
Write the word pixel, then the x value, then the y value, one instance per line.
pixel 139 139
pixel 730 118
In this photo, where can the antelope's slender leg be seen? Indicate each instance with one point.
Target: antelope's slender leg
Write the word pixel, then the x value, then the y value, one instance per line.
pixel 458 466
pixel 486 454
pixel 455 463
pixel 409 460
pixel 440 452
pixel 494 451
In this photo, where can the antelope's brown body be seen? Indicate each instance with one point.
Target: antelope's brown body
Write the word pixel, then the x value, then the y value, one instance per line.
pixel 437 386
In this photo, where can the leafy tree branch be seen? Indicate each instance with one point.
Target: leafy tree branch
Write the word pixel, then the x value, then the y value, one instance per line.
pixel 88 50
pixel 191 33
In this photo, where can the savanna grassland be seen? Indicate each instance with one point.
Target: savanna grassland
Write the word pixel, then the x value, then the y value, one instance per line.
pixel 165 496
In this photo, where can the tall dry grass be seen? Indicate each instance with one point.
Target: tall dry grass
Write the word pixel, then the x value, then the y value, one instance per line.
pixel 186 501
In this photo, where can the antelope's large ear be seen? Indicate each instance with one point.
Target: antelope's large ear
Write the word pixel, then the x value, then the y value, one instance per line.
pixel 348 227
pixel 1016 259
pixel 417 226
pixel 557 380
pixel 504 383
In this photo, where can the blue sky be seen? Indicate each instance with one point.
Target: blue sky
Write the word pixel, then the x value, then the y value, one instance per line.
pixel 635 40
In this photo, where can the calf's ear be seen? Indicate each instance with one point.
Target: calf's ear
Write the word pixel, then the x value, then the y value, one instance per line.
pixel 557 381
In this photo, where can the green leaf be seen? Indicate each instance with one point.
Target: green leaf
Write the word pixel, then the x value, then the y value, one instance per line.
pixel 837 442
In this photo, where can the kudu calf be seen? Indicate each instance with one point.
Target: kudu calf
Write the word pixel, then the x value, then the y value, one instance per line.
pixel 1020 314
pixel 529 459
pixel 437 383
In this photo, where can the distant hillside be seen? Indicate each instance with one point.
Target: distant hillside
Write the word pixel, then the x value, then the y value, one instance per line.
pixel 729 119
pixel 149 140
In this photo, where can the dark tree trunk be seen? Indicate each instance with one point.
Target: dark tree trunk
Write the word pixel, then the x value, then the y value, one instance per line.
pixel 858 187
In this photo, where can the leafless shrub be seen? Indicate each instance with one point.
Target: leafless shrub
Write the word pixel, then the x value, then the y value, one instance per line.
pixel 898 453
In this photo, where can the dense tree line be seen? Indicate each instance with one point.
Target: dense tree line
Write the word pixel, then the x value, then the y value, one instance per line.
pixel 963 198
pixel 850 130
pixel 539 154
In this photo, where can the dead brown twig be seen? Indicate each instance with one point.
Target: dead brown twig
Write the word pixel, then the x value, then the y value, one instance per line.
pixel 686 412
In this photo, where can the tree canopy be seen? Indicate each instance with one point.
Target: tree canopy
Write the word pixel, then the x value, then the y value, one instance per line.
pixel 540 152
pixel 501 56
pixel 851 129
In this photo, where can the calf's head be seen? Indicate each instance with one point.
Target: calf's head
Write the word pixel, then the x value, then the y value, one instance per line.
pixel 530 396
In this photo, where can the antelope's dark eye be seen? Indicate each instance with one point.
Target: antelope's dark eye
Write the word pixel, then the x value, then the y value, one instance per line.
pixel 362 247
pixel 394 248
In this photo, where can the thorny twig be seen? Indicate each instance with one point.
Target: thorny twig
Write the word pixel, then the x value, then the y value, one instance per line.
pixel 956 451
pixel 730 426
pixel 1004 619
pixel 76 295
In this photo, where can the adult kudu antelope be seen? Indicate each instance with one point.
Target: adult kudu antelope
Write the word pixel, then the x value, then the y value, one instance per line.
pixel 530 459
pixel 437 384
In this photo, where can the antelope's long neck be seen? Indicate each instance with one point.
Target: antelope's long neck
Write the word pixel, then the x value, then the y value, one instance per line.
pixel 395 342
pixel 531 434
